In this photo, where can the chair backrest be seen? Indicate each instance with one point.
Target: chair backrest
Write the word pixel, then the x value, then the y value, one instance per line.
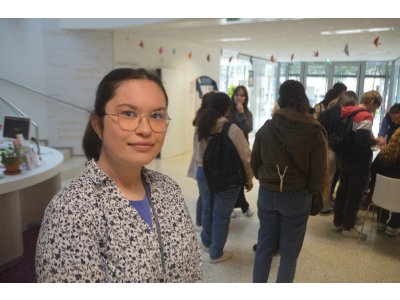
pixel 387 193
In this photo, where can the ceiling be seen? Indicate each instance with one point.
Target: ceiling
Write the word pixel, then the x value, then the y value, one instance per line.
pixel 283 37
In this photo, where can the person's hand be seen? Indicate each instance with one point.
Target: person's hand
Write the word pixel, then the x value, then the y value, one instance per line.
pixel 249 186
pixel 381 140
pixel 239 107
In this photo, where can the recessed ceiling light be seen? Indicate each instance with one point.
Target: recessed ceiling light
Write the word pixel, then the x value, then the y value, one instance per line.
pixel 236 39
pixel 352 31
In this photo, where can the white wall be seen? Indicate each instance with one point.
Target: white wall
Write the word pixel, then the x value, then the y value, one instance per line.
pixel 127 52
pixel 68 64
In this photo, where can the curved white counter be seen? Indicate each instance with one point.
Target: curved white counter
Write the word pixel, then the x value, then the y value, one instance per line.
pixel 23 199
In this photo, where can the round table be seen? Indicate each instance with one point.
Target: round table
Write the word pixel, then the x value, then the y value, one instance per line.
pixel 23 199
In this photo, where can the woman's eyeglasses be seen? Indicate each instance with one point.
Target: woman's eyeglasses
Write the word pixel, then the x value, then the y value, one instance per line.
pixel 130 120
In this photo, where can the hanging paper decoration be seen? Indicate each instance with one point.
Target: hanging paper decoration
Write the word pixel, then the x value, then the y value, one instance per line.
pixel 230 59
pixel 292 57
pixel 174 51
pixel 141 45
pixel 190 55
pixel 376 42
pixel 316 53
pixel 346 49
pixel 251 59
pixel 273 59
pixel 161 50
pixel 208 57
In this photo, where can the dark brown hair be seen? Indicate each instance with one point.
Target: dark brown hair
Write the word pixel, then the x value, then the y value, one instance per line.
pixel 91 143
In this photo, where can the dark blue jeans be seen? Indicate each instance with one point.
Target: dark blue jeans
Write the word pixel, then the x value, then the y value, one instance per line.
pixel 216 215
pixel 282 216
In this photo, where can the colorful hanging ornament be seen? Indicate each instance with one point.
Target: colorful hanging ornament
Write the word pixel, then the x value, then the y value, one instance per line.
pixel 230 59
pixel 316 53
pixel 292 57
pixel 190 55
pixel 141 45
pixel 160 50
pixel 273 58
pixel 174 51
pixel 208 57
pixel 376 42
pixel 346 49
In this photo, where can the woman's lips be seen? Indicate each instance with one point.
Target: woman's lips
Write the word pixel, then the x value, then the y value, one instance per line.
pixel 141 146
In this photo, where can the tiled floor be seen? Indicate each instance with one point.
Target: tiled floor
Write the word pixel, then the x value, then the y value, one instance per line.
pixel 326 256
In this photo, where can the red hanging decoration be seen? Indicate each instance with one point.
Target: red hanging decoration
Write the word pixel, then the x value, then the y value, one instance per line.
pixel 141 45
pixel 376 42
pixel 316 53
pixel 273 58
pixel 190 55
pixel 208 57
pixel 161 50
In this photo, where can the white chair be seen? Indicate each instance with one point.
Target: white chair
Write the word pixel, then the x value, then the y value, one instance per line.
pixel 386 195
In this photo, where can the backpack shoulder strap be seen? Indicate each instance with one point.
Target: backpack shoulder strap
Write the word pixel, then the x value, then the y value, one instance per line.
pixel 226 127
pixel 355 112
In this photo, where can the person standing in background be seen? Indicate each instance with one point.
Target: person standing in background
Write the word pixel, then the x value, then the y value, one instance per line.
pixel 289 158
pixel 192 171
pixel 329 119
pixel 240 114
pixel 119 221
pixel 218 206
pixel 330 99
pixel 354 166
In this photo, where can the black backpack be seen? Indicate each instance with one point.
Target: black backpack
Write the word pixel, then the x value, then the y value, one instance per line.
pixel 221 163
pixel 340 130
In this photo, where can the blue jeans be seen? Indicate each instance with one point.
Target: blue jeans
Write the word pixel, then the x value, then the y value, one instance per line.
pixel 282 216
pixel 216 215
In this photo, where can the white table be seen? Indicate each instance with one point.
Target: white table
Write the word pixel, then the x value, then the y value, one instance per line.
pixel 23 199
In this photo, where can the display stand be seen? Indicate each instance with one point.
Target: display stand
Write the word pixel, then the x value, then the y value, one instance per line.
pixel 23 199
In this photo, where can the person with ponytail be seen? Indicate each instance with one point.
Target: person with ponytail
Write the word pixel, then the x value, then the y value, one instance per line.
pixel 119 221
pixel 217 207
pixel 289 158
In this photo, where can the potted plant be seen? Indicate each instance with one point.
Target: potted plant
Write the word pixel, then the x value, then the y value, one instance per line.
pixel 10 159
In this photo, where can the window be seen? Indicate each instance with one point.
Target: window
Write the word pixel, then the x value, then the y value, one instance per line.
pixel 316 82
pixel 347 73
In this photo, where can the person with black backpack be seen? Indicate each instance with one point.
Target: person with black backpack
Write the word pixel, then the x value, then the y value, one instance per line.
pixel 331 119
pixel 354 164
pixel 223 166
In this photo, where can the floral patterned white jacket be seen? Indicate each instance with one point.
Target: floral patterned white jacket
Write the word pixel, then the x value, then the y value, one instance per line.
pixel 90 233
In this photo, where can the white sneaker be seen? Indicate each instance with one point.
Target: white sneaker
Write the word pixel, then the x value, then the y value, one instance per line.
pixel 336 228
pixel 226 256
pixel 354 234
pixel 249 212
pixel 234 214
pixel 392 231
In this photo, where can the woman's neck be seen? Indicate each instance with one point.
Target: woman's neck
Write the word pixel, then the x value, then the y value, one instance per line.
pixel 128 179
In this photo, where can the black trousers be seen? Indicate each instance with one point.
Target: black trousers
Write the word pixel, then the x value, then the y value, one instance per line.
pixel 353 181
pixel 241 201
pixel 394 221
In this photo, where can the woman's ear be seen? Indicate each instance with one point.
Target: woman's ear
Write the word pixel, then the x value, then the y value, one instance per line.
pixel 97 126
